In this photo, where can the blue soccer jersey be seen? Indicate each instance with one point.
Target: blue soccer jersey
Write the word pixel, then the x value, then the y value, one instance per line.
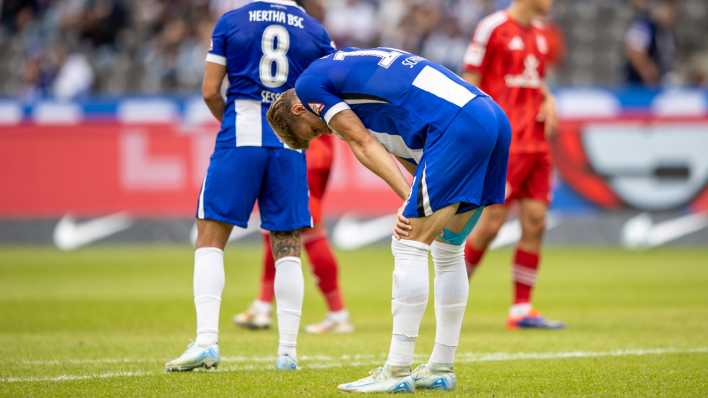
pixel 265 46
pixel 398 96
pixel 419 111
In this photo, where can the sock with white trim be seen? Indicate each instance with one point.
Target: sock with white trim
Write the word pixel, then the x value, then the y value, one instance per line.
pixel 289 289
pixel 451 292
pixel 208 285
pixel 410 297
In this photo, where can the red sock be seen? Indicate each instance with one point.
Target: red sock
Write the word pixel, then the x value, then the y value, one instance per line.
pixel 524 270
pixel 324 266
pixel 472 258
pixel 268 276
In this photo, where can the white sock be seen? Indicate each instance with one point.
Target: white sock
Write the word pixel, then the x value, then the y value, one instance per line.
pixel 208 285
pixel 262 306
pixel 338 316
pixel 289 289
pixel 451 292
pixel 410 296
pixel 519 310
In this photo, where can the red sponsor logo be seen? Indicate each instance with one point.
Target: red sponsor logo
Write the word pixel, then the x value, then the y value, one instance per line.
pixel 316 107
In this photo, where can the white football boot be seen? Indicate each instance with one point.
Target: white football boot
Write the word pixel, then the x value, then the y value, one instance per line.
pixel 195 357
pixel 434 377
pixel 330 325
pixel 285 362
pixel 384 379
pixel 255 317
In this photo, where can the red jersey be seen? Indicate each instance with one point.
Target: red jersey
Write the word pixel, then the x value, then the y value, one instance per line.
pixel 511 59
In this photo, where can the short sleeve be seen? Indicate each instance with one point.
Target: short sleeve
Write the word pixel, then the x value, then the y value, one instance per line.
pixel 478 51
pixel 217 50
pixel 317 96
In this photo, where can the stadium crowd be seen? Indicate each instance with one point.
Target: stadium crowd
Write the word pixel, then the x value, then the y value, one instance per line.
pixel 70 48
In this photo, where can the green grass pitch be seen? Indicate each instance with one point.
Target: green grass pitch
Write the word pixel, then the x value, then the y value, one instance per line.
pixel 102 321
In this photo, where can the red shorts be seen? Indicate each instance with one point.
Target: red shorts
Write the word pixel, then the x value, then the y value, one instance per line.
pixel 319 163
pixel 529 177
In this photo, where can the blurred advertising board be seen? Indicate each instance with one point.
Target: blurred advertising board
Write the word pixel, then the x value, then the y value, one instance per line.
pixel 630 151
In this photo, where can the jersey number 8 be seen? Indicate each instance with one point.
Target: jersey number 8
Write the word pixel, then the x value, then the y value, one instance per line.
pixel 275 45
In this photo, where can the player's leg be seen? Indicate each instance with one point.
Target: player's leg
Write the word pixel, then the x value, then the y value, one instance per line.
pixel 284 210
pixel 491 221
pixel 451 289
pixel 219 207
pixel 258 315
pixel 322 259
pixel 289 288
pixel 409 299
pixel 451 286
pixel 527 256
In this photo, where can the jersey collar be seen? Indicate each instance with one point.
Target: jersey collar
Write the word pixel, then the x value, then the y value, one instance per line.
pixel 282 2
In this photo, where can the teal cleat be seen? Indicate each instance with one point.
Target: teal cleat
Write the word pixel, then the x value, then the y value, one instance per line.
pixel 194 357
pixel 434 377
pixel 384 379
pixel 286 362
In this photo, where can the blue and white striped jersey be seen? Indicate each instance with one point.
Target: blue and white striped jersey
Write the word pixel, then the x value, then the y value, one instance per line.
pixel 399 96
pixel 265 46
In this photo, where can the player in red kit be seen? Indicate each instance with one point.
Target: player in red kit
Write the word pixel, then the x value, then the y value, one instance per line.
pixel 324 265
pixel 507 58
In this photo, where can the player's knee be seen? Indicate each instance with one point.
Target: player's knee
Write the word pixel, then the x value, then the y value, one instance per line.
pixel 487 231
pixel 285 244
pixel 447 257
pixel 534 225
pixel 410 277
pixel 212 234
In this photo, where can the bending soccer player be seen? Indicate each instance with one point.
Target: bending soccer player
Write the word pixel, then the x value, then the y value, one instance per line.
pixel 324 264
pixel 453 138
pixel 507 59
pixel 249 163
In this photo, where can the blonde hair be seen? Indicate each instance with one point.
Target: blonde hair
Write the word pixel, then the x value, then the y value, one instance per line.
pixel 281 119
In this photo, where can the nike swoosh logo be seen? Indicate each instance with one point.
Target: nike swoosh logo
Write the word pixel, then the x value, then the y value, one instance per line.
pixel 640 232
pixel 351 234
pixel 510 232
pixel 237 232
pixel 70 235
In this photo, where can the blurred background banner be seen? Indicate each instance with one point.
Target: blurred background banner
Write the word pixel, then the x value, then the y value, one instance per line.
pixel 615 150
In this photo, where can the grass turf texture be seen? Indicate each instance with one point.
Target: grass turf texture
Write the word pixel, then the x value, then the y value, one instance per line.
pixel 106 319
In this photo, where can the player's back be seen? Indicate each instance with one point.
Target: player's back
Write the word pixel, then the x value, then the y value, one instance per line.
pixel 392 91
pixel 265 45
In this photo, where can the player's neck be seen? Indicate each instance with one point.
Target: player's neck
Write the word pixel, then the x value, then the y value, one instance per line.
pixel 521 14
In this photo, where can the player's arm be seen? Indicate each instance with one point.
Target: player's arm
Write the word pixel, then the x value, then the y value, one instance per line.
pixel 369 151
pixel 211 89
pixel 548 113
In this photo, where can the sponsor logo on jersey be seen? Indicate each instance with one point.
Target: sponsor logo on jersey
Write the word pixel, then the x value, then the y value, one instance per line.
pixel 529 78
pixel 316 107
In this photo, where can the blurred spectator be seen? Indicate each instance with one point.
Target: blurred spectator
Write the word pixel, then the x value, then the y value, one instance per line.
pixel 446 45
pixel 351 23
pixel 650 43
pixel 71 48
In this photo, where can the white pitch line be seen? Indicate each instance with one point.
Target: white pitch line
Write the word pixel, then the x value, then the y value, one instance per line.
pixel 329 362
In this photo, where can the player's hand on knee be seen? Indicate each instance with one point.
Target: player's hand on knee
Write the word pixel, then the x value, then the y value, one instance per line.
pixel 403 225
